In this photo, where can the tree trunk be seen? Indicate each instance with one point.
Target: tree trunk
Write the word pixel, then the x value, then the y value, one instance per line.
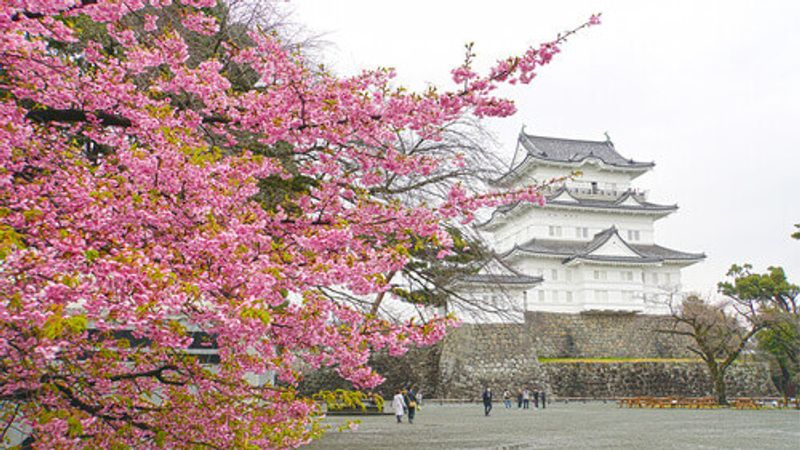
pixel 719 388
pixel 785 381
pixel 718 378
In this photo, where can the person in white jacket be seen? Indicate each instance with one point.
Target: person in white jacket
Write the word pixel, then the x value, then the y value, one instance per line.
pixel 399 406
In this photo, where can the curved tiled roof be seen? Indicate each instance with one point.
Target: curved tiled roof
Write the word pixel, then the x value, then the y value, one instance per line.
pixel 570 151
pixel 615 204
pixel 506 275
pixel 501 279
pixel 571 250
pixel 573 150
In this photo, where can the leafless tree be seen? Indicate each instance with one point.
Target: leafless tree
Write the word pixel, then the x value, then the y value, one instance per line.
pixel 719 333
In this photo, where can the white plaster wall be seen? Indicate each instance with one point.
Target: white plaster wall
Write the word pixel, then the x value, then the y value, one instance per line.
pixel 499 305
pixel 615 287
pixel 534 222
pixel 590 172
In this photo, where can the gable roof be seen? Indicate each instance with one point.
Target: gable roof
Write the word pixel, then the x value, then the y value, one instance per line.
pixel 562 198
pixel 574 150
pixel 608 239
pixel 569 251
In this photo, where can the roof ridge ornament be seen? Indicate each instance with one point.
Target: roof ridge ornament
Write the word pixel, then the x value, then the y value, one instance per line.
pixel 608 139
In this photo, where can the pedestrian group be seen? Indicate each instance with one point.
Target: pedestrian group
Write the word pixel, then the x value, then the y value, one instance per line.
pixel 406 401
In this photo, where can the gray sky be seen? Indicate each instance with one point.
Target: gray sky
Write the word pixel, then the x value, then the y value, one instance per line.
pixel 710 91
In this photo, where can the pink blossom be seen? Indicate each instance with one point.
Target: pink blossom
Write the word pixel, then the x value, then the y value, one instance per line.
pixel 134 224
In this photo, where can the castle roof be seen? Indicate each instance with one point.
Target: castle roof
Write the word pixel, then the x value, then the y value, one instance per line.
pixel 606 246
pixel 570 152
pixel 497 272
pixel 573 150
pixel 628 201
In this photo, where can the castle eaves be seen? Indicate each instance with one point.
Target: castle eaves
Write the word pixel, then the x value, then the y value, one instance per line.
pixel 496 271
pixel 572 151
pixel 582 250
pixel 612 204
pixel 569 152
pixel 501 279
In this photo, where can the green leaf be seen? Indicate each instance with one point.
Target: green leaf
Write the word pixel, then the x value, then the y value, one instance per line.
pixel 160 438
pixel 91 255
pixel 74 427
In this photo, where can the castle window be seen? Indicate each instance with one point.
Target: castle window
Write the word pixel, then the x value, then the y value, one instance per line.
pixel 569 296
pixel 600 275
pixel 554 230
pixel 581 232
pixel 569 275
pixel 627 276
pixel 634 235
pixel 594 186
pixel 554 274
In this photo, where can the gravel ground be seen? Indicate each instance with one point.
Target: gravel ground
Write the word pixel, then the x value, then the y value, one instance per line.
pixel 573 426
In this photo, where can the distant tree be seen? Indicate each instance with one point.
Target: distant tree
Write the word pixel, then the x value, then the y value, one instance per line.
pixel 778 303
pixel 719 331
pixel 796 234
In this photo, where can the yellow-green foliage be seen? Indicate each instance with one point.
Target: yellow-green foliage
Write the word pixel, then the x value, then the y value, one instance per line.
pixel 345 399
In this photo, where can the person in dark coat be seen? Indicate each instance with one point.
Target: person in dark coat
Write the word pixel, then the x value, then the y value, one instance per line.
pixel 535 398
pixel 487 401
pixel 410 398
pixel 519 398
pixel 544 401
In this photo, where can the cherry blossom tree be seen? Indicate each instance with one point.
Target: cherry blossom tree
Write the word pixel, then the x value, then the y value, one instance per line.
pixel 153 202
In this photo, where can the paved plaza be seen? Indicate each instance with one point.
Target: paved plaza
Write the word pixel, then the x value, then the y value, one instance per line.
pixel 573 425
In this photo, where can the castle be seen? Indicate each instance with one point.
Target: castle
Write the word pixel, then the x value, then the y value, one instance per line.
pixel 590 248
pixel 579 277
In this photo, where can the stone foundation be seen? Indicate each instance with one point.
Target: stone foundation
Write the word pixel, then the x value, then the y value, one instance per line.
pixel 504 356
pixel 601 335
pixel 499 356
pixel 660 379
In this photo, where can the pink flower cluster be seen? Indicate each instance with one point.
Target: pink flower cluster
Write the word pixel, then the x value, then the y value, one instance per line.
pixel 134 229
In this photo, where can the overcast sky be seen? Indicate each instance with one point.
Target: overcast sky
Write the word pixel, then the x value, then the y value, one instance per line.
pixel 710 91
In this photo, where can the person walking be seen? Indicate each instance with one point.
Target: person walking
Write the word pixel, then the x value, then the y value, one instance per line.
pixel 544 401
pixel 519 398
pixel 526 399
pixel 410 399
pixel 399 405
pixel 507 398
pixel 536 398
pixel 487 401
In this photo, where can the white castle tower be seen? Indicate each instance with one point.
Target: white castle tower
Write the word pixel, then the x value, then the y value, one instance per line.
pixel 592 243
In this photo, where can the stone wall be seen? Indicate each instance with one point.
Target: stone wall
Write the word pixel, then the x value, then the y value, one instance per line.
pixel 505 356
pixel 603 336
pixel 502 356
pixel 630 379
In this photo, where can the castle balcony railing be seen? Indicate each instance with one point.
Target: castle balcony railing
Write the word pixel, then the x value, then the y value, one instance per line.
pixel 597 193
